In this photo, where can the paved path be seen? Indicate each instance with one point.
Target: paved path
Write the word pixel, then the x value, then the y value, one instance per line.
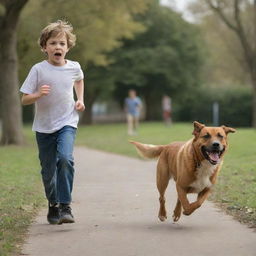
pixel 115 206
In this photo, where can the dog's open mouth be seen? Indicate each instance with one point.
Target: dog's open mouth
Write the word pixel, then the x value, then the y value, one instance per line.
pixel 212 155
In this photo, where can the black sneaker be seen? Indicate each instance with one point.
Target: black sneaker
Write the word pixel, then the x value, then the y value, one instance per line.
pixel 66 215
pixel 53 215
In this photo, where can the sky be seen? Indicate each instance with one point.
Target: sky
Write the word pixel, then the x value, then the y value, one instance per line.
pixel 180 6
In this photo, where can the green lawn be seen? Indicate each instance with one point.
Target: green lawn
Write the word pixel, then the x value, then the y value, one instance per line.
pixel 21 192
pixel 236 187
pixel 20 195
pixel 113 137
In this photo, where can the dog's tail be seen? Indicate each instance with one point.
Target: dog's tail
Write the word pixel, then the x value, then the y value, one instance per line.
pixel 148 150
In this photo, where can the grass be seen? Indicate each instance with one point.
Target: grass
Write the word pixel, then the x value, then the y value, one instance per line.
pixel 20 195
pixel 236 187
pixel 113 137
pixel 21 192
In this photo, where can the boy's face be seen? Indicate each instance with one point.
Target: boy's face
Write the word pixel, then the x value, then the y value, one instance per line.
pixel 56 49
pixel 132 94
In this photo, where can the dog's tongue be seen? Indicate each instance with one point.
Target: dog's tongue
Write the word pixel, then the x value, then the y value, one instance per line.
pixel 214 157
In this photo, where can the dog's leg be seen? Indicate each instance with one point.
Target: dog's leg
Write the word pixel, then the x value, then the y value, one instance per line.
pixel 182 196
pixel 191 207
pixel 202 196
pixel 162 183
pixel 177 211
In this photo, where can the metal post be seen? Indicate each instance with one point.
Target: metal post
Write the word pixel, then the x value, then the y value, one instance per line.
pixel 215 112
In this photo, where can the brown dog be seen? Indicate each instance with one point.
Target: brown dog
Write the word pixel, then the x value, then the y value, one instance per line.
pixel 194 165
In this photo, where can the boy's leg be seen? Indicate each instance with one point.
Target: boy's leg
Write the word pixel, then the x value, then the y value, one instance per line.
pixel 65 172
pixel 65 163
pixel 136 123
pixel 130 124
pixel 48 159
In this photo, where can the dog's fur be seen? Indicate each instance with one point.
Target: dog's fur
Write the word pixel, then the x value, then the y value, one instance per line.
pixel 194 165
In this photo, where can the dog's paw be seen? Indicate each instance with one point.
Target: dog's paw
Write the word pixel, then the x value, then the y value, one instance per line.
pixel 162 218
pixel 175 217
pixel 187 212
pixel 191 208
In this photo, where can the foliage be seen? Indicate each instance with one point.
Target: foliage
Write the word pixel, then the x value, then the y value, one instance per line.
pixel 240 18
pixel 99 85
pixel 223 61
pixel 235 104
pixel 165 59
pixel 99 25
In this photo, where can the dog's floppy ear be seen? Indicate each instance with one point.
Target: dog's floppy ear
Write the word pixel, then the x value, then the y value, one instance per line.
pixel 197 128
pixel 228 129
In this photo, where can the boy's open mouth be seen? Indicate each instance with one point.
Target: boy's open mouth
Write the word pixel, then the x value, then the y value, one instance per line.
pixel 57 54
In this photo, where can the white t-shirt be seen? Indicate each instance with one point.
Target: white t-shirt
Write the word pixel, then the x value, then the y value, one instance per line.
pixel 57 109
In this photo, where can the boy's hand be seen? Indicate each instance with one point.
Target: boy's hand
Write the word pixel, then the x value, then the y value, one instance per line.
pixel 44 90
pixel 80 106
pixel 28 99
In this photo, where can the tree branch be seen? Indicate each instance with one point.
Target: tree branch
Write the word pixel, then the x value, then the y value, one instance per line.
pixel 12 11
pixel 248 52
pixel 237 28
pixel 218 10
pixel 3 2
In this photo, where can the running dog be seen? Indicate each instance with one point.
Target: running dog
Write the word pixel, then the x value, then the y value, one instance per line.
pixel 194 166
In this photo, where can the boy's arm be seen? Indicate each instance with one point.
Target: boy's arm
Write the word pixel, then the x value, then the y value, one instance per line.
pixel 28 99
pixel 79 89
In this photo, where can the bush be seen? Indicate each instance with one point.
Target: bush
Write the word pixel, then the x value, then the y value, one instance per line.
pixel 235 106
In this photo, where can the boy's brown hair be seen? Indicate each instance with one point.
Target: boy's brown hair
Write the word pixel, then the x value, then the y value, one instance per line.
pixel 56 28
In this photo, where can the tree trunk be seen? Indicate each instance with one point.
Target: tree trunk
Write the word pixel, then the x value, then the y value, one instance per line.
pixel 10 101
pixel 149 108
pixel 254 71
pixel 87 115
pixel 153 107
pixel 10 106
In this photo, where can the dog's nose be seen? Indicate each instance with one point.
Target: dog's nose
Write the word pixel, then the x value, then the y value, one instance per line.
pixel 216 144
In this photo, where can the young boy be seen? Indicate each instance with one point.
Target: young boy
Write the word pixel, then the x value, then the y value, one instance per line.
pixel 49 85
pixel 133 107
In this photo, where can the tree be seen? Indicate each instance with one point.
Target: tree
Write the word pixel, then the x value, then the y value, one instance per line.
pixel 9 98
pixel 100 81
pixel 240 17
pixel 99 24
pixel 222 66
pixel 165 59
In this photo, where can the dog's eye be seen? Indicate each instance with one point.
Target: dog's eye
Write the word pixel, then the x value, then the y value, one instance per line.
pixel 220 136
pixel 207 136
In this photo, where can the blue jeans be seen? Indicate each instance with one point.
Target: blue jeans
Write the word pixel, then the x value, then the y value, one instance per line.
pixel 57 162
